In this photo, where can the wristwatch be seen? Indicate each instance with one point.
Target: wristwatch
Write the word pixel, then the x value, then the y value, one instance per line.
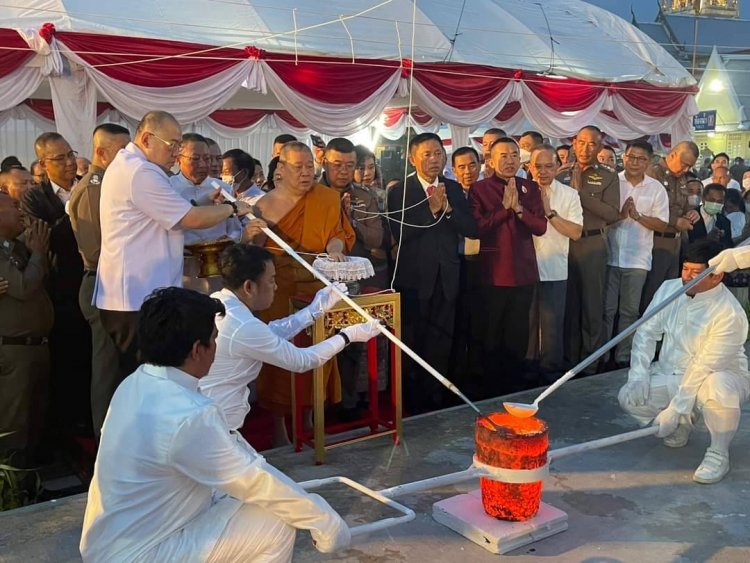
pixel 551 215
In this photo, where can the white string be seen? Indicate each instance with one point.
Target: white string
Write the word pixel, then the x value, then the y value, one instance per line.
pixel 296 52
pixel 408 137
pixel 351 40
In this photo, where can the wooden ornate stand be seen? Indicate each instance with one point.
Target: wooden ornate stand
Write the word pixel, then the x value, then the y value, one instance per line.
pixel 385 307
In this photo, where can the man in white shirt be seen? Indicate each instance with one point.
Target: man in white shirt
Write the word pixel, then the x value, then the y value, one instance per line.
pixel 564 213
pixel 644 208
pixel 171 483
pixel 193 183
pixel 702 365
pixel 721 160
pixel 245 342
pixel 142 219
pixel 238 170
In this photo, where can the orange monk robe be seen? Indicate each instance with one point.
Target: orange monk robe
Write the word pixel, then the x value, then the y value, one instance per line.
pixel 308 227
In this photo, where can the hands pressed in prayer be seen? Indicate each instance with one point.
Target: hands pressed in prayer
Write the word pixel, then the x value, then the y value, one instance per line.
pixel 37 236
pixel 346 204
pixel 438 200
pixel 510 197
pixel 628 208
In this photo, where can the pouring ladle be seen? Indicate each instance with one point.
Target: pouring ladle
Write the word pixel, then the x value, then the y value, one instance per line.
pixel 525 410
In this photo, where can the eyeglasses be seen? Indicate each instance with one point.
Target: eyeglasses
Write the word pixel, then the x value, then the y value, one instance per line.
pixel 171 145
pixel 195 159
pixel 636 159
pixel 337 165
pixel 72 155
pixel 299 168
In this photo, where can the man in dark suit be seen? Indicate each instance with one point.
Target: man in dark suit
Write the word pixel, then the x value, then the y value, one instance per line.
pixel 508 211
pixel 70 338
pixel 428 214
pixel 712 224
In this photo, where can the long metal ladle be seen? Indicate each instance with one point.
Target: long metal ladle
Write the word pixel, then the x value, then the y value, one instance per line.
pixel 525 410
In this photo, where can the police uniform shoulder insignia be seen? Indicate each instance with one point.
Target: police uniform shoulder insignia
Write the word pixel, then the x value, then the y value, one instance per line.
pixel 95 179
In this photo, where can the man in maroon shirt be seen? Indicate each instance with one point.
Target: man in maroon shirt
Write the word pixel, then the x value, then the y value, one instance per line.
pixel 508 211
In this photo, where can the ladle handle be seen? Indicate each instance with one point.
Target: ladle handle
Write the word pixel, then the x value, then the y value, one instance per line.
pixel 568 374
pixel 645 318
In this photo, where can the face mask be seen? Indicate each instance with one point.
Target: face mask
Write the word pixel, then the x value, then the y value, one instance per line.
pixel 525 155
pixel 231 180
pixel 713 208
pixel 694 200
pixel 746 183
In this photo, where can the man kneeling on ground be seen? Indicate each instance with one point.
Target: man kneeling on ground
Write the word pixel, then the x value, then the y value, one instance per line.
pixel 702 367
pixel 170 481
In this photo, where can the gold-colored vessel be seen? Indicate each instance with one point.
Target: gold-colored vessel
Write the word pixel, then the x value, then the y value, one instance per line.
pixel 208 252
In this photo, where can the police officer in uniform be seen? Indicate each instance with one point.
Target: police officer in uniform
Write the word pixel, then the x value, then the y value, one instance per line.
pixel 26 317
pixel 338 173
pixel 599 190
pixel 671 172
pixel 83 209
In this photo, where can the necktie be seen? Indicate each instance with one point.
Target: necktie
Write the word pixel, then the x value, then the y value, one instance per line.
pixel 430 189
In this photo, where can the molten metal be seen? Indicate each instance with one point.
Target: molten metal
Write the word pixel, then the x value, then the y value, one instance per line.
pixel 510 442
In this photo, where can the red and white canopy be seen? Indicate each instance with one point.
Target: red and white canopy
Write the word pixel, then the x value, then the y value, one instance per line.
pixel 336 67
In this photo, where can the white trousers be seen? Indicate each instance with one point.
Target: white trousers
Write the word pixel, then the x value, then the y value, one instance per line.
pixel 725 389
pixel 251 534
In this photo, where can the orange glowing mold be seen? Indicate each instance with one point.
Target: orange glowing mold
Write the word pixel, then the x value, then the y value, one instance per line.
pixel 510 442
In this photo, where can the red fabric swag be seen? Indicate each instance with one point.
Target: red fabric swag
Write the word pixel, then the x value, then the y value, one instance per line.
pixel 242 118
pixel 392 116
pixel 564 95
pixel 462 86
pixel 47 110
pixel 332 81
pixel 509 110
pixel 187 67
pixel 15 52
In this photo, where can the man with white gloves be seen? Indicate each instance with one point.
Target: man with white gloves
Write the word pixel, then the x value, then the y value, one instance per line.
pixel 702 365
pixel 731 259
pixel 245 342
pixel 171 482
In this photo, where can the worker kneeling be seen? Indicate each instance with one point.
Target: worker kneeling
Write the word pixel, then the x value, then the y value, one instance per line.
pixel 702 366
pixel 171 483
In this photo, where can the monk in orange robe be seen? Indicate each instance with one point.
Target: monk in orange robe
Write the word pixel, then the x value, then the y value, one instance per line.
pixel 308 217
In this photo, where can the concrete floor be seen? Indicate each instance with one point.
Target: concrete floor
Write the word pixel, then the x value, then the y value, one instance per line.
pixel 632 502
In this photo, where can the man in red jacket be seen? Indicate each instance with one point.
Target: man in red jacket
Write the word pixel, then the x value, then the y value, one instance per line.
pixel 508 211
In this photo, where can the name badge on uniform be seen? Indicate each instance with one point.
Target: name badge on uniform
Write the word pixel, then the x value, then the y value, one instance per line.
pixel 524 190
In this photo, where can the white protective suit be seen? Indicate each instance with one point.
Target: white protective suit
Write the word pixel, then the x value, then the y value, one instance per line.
pixel 702 364
pixel 171 483
pixel 245 343
pixel 731 259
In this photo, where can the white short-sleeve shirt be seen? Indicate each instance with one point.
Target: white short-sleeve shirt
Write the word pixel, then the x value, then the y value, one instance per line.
pixel 732 185
pixel 630 243
pixel 552 247
pixel 200 193
pixel 142 245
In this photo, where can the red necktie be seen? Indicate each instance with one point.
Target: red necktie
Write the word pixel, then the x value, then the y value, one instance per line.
pixel 430 189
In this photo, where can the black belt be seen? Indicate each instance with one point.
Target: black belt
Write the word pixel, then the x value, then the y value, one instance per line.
pixel 88 273
pixel 22 341
pixel 592 233
pixel 665 235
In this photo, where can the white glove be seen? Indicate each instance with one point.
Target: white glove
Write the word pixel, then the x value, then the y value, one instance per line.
pixel 667 420
pixel 326 299
pixel 725 261
pixel 634 393
pixel 337 536
pixel 362 332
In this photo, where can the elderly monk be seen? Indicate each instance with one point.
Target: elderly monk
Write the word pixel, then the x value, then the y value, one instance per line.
pixel 308 217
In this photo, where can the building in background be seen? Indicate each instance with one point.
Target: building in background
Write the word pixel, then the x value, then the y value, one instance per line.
pixel 713 43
